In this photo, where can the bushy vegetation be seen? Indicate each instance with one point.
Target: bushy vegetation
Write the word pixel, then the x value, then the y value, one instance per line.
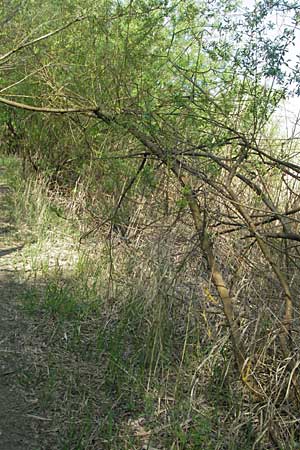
pixel 161 207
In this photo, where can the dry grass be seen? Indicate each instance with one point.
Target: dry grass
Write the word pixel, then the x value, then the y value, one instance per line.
pixel 129 342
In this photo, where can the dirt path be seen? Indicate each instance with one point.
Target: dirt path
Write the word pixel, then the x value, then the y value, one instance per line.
pixel 17 424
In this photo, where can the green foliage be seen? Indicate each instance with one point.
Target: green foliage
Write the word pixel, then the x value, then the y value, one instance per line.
pixel 190 86
pixel 142 62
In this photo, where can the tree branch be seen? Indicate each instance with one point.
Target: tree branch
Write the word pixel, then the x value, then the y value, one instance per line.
pixel 44 109
pixel 40 38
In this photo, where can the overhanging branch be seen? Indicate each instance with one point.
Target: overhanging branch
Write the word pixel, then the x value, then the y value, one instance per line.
pixel 44 109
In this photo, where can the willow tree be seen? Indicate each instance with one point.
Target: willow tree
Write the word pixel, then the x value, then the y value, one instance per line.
pixel 187 84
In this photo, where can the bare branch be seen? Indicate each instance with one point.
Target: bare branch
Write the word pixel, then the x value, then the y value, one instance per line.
pixel 288 236
pixel 44 109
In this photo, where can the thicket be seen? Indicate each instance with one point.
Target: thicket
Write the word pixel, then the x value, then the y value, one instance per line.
pixel 154 122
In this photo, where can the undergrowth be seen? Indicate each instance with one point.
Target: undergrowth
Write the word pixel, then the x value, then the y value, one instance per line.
pixel 129 353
